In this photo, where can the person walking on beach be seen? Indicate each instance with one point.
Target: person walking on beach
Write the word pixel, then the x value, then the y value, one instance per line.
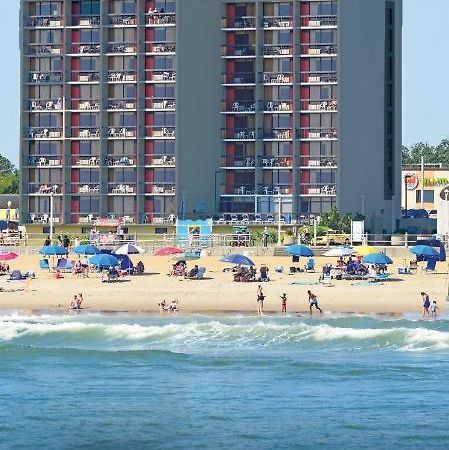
pixel 433 309
pixel 260 299
pixel 425 305
pixel 284 303
pixel 313 301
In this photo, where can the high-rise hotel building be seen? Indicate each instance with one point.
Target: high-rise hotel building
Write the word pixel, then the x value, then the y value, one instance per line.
pixel 142 109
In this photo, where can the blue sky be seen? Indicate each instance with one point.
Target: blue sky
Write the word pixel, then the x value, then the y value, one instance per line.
pixel 425 73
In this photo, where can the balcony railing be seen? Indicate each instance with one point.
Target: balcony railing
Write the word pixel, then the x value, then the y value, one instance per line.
pixel 318 189
pixel 277 22
pixel 122 19
pixel 318 163
pixel 162 104
pixel 45 50
pixel 313 49
pixel 278 134
pixel 158 18
pixel 239 50
pixel 160 47
pixel 160 160
pixel 85 77
pixel 121 161
pixel 161 76
pixel 86 161
pixel 275 161
pixel 318 77
pixel 45 105
pixel 122 103
pixel 239 22
pixel 161 132
pixel 86 48
pixel 46 77
pixel 280 189
pixel 319 105
pixel 45 22
pixel 85 105
pixel 163 188
pixel 319 21
pixel 319 133
pixel 240 106
pixel 277 78
pixel 44 161
pixel 239 134
pixel 86 132
pixel 277 50
pixel 122 188
pixel 277 106
pixel 116 76
pixel 44 133
pixel 239 78
pixel 45 189
pixel 238 189
pixel 121 47
pixel 85 188
pixel 122 132
pixel 239 162
pixel 86 21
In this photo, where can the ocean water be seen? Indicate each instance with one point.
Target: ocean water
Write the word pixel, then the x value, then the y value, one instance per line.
pixel 116 381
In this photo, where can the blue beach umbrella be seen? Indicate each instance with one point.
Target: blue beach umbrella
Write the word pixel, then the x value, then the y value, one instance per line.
pixel 299 250
pixel 104 260
pixel 377 259
pixel 86 249
pixel 240 260
pixel 424 250
pixel 53 250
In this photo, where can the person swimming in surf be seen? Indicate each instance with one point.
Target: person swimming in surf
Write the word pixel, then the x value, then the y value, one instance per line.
pixel 313 301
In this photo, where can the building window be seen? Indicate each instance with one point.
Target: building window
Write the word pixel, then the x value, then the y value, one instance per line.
pixel 428 197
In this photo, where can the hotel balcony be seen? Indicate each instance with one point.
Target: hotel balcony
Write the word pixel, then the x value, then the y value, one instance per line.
pixel 158 132
pixel 121 132
pixel 238 190
pixel 45 189
pixel 278 189
pixel 238 162
pixel 276 162
pixel 160 104
pixel 160 160
pixel 277 78
pixel 238 23
pixel 120 48
pixel 319 78
pixel 314 22
pixel 122 188
pixel 86 132
pixel 158 19
pixel 313 162
pixel 160 188
pixel 46 77
pixel 159 76
pixel 85 105
pixel 308 106
pixel 41 133
pixel 117 76
pixel 240 106
pixel 85 77
pixel 45 105
pixel 166 48
pixel 238 51
pixel 122 20
pixel 48 161
pixel 85 49
pixel 317 50
pixel 277 22
pixel 239 79
pixel 44 218
pixel 319 134
pixel 122 104
pixel 275 50
pixel 239 134
pixel 86 188
pixel 45 22
pixel 44 50
pixel 85 161
pixel 121 161
pixel 277 135
pixel 85 21
pixel 84 217
pixel 278 107
pixel 318 190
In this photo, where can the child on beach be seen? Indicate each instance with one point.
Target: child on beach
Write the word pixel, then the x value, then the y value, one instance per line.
pixel 260 299
pixel 284 303
pixel 433 309
pixel 313 301
pixel 425 305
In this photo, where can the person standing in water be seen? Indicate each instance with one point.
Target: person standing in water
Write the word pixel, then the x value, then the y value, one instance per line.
pixel 433 309
pixel 284 303
pixel 260 299
pixel 425 305
pixel 313 301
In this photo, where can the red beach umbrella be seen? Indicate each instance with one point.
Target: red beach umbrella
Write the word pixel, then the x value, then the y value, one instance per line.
pixel 8 256
pixel 167 251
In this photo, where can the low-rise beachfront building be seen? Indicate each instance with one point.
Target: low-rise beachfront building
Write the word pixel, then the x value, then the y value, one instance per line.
pixel 142 110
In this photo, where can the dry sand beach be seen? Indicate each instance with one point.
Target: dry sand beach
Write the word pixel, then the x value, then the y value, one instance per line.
pixel 217 292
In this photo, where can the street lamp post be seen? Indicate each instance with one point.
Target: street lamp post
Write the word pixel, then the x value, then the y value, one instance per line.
pixel 51 217
pixel 446 225
pixel 279 218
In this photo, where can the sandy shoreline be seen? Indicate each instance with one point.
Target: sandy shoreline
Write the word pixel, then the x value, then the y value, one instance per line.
pixel 218 293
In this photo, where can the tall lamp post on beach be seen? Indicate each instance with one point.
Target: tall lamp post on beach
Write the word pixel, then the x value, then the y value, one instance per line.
pixel 51 217
pixel 279 217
